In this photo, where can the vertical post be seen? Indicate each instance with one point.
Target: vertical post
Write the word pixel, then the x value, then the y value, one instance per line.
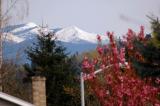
pixel 1 45
pixel 1 23
pixel 82 90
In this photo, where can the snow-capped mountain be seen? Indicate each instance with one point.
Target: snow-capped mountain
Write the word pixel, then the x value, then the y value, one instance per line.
pixel 18 37
pixel 22 31
pixel 73 34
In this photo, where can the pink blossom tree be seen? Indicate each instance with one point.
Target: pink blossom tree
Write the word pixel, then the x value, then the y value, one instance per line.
pixel 117 84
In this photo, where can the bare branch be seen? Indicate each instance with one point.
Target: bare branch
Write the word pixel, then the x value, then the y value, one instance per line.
pixel 9 9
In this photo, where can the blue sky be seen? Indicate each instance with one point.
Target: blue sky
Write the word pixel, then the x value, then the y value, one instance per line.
pixel 97 16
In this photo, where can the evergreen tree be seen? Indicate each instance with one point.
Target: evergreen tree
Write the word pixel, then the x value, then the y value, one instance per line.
pixel 150 52
pixel 50 60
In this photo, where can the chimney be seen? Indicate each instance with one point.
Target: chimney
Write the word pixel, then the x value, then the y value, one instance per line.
pixel 39 91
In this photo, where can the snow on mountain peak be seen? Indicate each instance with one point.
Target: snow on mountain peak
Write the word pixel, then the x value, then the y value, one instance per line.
pixel 74 34
pixel 12 38
pixel 31 24
pixel 23 28
pixel 23 31
pixel 71 34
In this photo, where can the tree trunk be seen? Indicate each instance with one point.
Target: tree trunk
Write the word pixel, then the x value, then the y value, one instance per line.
pixel 1 20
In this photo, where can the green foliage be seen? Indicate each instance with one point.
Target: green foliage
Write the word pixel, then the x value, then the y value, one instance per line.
pixel 45 55
pixel 155 26
pixel 50 60
pixel 150 67
pixel 150 52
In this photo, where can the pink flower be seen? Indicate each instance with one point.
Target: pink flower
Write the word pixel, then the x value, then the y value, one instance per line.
pixel 100 50
pixel 158 80
pixel 141 34
pixel 122 55
pixel 101 93
pixel 122 87
pixel 99 38
pixel 95 61
pixel 85 63
pixel 110 35
pixel 89 76
pixel 109 79
pixel 130 34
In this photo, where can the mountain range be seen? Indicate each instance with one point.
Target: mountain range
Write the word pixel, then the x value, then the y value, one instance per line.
pixel 16 38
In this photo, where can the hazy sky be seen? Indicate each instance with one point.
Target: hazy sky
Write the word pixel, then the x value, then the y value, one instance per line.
pixel 97 16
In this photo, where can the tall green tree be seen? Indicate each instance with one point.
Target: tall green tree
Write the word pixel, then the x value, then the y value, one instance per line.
pixel 150 52
pixel 50 60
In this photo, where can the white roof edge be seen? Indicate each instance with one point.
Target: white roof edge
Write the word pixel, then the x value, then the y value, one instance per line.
pixel 14 100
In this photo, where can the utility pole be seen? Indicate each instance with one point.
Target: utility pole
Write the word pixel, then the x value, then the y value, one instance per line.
pixel 82 82
pixel 1 38
pixel 82 89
